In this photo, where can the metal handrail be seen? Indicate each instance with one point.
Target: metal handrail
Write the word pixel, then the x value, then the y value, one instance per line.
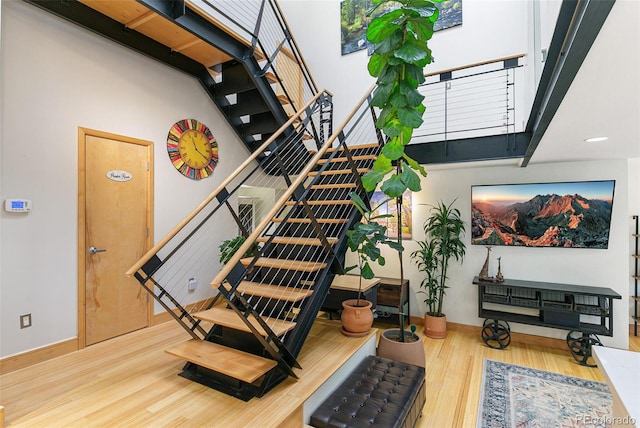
pixel 470 101
pixel 261 24
pixel 243 168
pixel 259 229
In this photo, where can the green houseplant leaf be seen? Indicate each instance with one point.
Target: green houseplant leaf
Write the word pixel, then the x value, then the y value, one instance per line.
pixel 443 231
pixel 399 36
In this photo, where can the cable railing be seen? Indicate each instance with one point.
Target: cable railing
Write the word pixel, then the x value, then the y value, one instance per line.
pixel 472 101
pixel 261 24
pixel 302 234
pixel 177 271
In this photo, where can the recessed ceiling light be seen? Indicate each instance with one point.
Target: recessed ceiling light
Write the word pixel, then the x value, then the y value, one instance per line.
pixel 596 139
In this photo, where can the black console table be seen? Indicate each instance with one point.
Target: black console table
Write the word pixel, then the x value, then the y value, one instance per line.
pixel 585 311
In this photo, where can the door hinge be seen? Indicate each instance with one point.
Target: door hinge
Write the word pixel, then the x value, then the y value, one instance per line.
pixel 148 166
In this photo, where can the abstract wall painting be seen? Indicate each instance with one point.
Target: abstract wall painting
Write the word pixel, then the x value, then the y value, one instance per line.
pixel 562 214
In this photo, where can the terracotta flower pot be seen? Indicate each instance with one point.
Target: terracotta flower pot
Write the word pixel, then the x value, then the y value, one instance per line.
pixel 411 351
pixel 435 327
pixel 356 319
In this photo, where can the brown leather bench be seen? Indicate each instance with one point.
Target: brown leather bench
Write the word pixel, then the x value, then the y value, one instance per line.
pixel 379 392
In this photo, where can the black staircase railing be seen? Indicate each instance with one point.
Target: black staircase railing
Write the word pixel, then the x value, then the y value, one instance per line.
pixel 471 101
pixel 317 207
pixel 304 231
pixel 261 24
pixel 178 270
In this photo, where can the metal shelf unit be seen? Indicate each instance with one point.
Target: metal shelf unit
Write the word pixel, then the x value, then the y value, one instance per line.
pixel 636 278
pixel 580 309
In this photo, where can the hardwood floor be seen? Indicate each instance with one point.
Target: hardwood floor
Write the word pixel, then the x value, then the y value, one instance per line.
pixel 130 381
pixel 454 369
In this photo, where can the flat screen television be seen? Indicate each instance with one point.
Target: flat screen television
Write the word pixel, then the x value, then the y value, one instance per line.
pixel 568 214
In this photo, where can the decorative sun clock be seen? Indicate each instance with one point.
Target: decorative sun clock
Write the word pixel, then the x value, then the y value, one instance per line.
pixel 192 149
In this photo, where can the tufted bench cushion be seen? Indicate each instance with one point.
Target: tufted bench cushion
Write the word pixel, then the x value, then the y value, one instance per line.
pixel 379 392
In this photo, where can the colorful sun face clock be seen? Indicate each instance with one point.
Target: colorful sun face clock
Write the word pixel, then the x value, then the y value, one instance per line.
pixel 192 149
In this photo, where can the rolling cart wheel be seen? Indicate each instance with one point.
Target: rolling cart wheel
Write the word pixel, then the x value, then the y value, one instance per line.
pixel 496 334
pixel 580 344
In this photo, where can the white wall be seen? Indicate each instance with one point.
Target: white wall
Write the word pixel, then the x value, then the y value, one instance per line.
pixel 57 77
pixel 315 25
pixel 490 29
pixel 602 268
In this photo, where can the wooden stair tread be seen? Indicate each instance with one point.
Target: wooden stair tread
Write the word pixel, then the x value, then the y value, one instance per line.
pixel 351 148
pixel 296 240
pixel 299 265
pixel 288 294
pixel 229 318
pixel 345 159
pixel 271 78
pixel 324 202
pixel 354 147
pixel 338 172
pixel 283 99
pixel 334 186
pixel 306 220
pixel 231 362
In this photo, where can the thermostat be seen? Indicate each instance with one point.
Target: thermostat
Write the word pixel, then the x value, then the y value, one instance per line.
pixel 17 205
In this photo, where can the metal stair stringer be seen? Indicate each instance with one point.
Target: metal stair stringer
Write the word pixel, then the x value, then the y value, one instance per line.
pixel 272 344
pixel 335 261
pixel 303 198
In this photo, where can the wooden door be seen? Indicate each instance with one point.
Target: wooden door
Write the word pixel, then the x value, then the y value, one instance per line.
pixel 115 231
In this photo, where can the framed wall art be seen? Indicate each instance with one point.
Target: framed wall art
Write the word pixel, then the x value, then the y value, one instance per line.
pixel 561 214
pixel 390 208
pixel 354 22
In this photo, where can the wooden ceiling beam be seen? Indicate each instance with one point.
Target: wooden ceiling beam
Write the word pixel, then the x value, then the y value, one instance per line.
pixel 186 45
pixel 140 20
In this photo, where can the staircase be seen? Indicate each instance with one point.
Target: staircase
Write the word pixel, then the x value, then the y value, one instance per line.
pixel 247 333
pixel 247 329
pixel 269 302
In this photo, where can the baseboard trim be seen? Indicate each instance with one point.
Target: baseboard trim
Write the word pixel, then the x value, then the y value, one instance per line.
pixel 524 338
pixel 29 358
pixel 519 338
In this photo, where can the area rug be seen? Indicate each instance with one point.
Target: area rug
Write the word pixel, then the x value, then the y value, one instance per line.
pixel 514 396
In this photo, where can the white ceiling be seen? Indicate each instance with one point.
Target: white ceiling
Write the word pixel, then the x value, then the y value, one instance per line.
pixel 604 98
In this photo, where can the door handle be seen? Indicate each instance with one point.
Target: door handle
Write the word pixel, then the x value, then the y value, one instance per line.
pixel 94 250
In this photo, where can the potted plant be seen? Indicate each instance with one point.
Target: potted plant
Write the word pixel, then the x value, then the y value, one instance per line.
pixel 443 231
pixel 229 247
pixel 364 239
pixel 400 38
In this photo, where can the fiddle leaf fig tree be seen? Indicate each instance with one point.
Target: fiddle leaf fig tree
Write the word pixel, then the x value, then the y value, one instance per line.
pixel 399 36
pixel 399 33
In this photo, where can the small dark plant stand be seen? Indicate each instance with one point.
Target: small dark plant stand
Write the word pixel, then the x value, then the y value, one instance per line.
pixel 389 293
pixel 583 310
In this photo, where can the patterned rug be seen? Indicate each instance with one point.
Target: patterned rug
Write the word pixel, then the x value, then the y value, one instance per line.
pixel 521 397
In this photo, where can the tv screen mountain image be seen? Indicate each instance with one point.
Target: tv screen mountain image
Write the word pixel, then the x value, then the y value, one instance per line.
pixel 570 214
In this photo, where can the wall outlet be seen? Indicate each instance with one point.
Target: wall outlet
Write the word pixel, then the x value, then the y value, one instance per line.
pixel 25 321
pixel 192 285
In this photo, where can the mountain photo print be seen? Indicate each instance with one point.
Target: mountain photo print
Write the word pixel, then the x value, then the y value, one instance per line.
pixel 570 215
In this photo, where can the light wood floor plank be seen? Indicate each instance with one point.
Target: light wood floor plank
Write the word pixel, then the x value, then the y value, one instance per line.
pixel 130 382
